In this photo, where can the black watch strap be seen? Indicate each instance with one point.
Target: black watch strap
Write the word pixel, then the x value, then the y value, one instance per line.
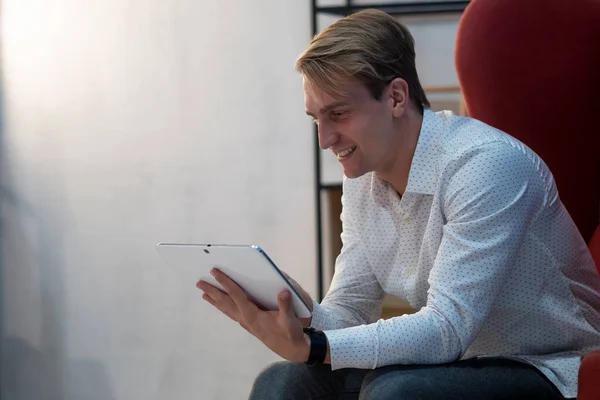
pixel 318 346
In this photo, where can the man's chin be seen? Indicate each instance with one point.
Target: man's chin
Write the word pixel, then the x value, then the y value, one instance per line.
pixel 353 174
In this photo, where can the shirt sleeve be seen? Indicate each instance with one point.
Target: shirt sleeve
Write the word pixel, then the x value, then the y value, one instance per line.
pixel 355 296
pixel 489 197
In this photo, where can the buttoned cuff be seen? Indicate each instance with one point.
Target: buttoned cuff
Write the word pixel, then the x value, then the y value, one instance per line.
pixel 355 347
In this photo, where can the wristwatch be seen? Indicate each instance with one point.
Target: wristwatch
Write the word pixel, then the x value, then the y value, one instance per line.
pixel 318 346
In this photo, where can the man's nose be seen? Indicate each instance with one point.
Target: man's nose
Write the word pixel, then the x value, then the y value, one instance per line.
pixel 327 136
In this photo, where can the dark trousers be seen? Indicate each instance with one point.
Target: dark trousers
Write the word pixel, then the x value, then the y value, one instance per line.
pixel 474 379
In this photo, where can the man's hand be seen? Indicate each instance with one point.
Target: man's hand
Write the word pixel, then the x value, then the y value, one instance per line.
pixel 281 331
pixel 305 296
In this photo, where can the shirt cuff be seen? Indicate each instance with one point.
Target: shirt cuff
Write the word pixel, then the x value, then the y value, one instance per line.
pixel 319 316
pixel 355 347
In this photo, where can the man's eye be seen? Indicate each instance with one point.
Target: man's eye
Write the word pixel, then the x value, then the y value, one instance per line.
pixel 338 114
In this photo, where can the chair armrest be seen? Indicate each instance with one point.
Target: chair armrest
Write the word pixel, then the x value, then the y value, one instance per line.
pixel 589 377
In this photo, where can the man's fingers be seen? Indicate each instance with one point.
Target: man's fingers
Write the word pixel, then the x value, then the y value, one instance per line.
pixel 214 292
pixel 211 301
pixel 236 293
pixel 286 313
pixel 222 301
pixel 290 279
pixel 305 296
pixel 208 299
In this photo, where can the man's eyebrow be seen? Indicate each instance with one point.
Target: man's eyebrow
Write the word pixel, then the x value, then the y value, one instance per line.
pixel 329 107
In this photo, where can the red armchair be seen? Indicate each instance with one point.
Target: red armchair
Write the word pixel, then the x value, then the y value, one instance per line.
pixel 532 69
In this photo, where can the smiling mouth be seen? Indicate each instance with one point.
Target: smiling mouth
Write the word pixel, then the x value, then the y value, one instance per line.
pixel 346 153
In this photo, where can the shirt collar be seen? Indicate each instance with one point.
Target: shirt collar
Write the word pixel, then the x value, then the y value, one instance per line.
pixel 423 174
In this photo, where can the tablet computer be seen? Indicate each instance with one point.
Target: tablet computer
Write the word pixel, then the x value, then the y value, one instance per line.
pixel 247 265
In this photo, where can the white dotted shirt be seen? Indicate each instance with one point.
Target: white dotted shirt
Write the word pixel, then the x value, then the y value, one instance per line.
pixel 480 244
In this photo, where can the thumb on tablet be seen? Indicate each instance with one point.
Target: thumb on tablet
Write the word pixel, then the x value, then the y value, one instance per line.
pixel 285 305
pixel 305 296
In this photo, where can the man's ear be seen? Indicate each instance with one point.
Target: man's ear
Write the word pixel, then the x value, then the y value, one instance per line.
pixel 398 92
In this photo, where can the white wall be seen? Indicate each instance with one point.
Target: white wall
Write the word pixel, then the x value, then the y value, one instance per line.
pixel 127 123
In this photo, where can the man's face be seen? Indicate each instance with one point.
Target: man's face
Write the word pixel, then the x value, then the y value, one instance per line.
pixel 357 128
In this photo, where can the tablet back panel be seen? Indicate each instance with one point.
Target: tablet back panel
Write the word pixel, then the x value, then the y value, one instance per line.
pixel 249 266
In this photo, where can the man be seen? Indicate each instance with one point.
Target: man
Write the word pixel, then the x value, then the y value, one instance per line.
pixel 460 220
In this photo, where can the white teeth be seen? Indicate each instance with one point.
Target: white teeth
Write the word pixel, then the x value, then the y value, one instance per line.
pixel 346 152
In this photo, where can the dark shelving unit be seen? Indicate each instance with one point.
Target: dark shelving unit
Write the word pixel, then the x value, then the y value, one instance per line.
pixel 393 8
pixel 404 8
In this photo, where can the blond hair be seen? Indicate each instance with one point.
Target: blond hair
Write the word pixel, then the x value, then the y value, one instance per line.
pixel 369 46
